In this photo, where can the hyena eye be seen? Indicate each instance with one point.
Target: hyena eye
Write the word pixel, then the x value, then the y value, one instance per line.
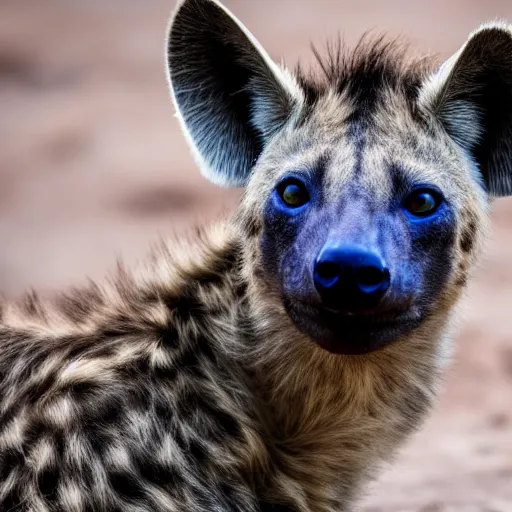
pixel 293 193
pixel 423 202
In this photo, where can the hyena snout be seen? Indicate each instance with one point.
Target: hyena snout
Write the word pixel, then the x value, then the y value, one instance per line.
pixel 350 278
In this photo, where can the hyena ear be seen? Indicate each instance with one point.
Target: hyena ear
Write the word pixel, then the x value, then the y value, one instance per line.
pixel 472 96
pixel 230 96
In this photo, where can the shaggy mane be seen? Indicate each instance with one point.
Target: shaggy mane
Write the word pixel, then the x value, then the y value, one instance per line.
pixel 375 63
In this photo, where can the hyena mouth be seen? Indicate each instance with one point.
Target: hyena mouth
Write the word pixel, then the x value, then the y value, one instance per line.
pixel 374 315
pixel 353 333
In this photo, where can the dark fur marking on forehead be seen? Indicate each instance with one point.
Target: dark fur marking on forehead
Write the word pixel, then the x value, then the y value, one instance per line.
pixel 366 75
pixel 357 134
pixel 319 169
pixel 373 66
pixel 399 180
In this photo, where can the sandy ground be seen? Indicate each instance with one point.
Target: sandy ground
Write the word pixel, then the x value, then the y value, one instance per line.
pixel 92 166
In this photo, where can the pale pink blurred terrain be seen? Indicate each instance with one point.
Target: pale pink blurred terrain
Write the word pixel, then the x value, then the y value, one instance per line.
pixel 93 166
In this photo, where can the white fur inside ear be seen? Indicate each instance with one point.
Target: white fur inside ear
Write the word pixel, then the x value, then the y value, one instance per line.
pixel 435 83
pixel 220 152
pixel 283 76
pixel 463 119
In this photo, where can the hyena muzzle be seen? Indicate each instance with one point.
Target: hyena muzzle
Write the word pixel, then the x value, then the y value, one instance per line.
pixel 277 360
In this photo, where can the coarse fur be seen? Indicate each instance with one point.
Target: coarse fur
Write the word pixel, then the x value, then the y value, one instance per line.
pixel 196 384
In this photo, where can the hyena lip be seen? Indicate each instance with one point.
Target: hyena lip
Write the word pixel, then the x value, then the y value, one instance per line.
pixel 353 334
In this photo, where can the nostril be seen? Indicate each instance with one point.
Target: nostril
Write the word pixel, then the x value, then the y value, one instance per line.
pixel 371 280
pixel 327 273
pixel 368 275
pixel 327 270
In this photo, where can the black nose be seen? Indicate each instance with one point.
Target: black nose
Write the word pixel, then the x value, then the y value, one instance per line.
pixel 350 278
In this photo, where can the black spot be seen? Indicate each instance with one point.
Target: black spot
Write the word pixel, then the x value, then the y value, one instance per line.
pixel 59 444
pixel 241 290
pixel 163 412
pixel 105 409
pixel 39 389
pixel 126 485
pixel 232 497
pixel 225 425
pixel 213 423
pixel 181 440
pixel 12 500
pixel 198 451
pixel 38 430
pixel 168 336
pixel 10 459
pixel 204 346
pixel 189 307
pixel 83 389
pixel 48 483
pixel 159 474
pixel 188 362
pixel 138 368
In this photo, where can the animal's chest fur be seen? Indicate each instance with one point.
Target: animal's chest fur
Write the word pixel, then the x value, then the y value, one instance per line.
pixel 333 440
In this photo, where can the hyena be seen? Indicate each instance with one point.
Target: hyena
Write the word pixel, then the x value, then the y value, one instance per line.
pixel 273 362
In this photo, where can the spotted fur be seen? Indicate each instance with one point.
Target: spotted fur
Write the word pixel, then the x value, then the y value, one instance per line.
pixel 190 384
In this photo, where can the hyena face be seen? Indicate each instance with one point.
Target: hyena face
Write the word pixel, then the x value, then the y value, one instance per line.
pixel 359 222
pixel 366 192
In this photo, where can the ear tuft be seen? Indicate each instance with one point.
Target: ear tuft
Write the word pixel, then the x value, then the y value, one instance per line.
pixel 229 95
pixel 471 94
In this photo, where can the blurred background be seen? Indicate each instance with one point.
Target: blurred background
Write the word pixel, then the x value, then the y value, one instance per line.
pixel 93 166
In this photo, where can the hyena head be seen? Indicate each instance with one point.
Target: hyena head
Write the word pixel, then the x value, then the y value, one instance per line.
pixel 366 190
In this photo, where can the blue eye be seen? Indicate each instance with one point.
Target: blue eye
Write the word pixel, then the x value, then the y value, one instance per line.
pixel 293 193
pixel 423 203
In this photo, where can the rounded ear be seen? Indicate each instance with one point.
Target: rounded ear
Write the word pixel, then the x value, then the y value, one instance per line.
pixel 471 94
pixel 229 95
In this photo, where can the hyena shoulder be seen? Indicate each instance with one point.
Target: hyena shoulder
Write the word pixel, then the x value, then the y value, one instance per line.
pixel 123 394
